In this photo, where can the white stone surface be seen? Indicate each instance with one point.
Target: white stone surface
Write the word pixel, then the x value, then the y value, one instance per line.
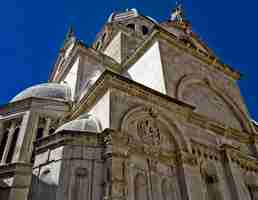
pixel 71 77
pixel 148 70
pixel 102 111
pixel 114 48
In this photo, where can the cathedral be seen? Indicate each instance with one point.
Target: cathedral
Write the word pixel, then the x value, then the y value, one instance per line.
pixel 147 112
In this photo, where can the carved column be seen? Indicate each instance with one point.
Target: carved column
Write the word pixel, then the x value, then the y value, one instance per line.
pixel 9 142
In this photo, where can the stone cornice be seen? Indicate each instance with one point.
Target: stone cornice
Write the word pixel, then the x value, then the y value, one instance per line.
pixel 68 137
pixel 246 162
pixel 81 49
pixel 219 128
pixel 30 103
pixel 110 80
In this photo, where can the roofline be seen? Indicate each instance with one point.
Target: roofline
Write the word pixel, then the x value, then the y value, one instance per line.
pixel 106 81
pixel 160 32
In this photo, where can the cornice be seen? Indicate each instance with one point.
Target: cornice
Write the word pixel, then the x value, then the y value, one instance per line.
pixel 81 49
pixel 68 137
pixel 110 80
pixel 219 128
pixel 28 104
pixel 245 162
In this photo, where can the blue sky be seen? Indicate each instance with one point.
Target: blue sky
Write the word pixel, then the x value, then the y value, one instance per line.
pixel 31 33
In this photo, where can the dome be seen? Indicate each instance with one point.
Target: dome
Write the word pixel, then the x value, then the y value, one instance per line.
pixel 86 122
pixel 45 90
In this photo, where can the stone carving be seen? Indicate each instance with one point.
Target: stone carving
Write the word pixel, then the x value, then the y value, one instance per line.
pixel 148 131
pixel 108 139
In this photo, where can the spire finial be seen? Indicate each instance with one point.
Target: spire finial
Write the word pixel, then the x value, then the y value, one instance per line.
pixel 178 13
pixel 70 32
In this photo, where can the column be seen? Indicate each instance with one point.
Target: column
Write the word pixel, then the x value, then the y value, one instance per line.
pixel 27 135
pixel 1 131
pixel 47 127
pixel 9 142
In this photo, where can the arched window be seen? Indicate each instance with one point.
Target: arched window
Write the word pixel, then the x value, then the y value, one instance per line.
pixel 140 187
pixel 98 45
pixel 40 132
pixel 3 144
pixel 145 30
pixel 81 185
pixel 13 146
pixel 104 37
pixel 131 26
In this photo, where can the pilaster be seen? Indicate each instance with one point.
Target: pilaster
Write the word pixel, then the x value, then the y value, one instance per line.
pixel 188 174
pixel 232 174
pixel 47 127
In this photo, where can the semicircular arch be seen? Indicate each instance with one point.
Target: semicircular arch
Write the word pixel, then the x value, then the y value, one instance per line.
pixel 174 128
pixel 189 80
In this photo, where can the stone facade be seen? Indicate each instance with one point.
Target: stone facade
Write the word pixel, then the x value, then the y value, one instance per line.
pixel 148 112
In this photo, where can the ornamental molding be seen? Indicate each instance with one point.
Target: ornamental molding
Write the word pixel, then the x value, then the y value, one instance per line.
pixel 113 82
pixel 148 131
pixel 243 161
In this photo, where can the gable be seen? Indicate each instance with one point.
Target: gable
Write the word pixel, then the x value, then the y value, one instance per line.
pixel 148 70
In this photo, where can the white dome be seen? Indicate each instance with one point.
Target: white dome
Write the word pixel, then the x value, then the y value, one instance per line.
pixel 45 90
pixel 85 122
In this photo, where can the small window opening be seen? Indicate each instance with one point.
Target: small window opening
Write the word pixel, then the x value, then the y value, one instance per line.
pixel 103 37
pixel 51 131
pixel 98 45
pixel 145 30
pixel 131 26
pixel 39 133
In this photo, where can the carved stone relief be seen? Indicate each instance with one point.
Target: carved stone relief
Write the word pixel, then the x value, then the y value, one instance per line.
pixel 148 131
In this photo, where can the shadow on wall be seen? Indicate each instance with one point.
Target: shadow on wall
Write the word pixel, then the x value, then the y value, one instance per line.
pixel 4 190
pixel 41 190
